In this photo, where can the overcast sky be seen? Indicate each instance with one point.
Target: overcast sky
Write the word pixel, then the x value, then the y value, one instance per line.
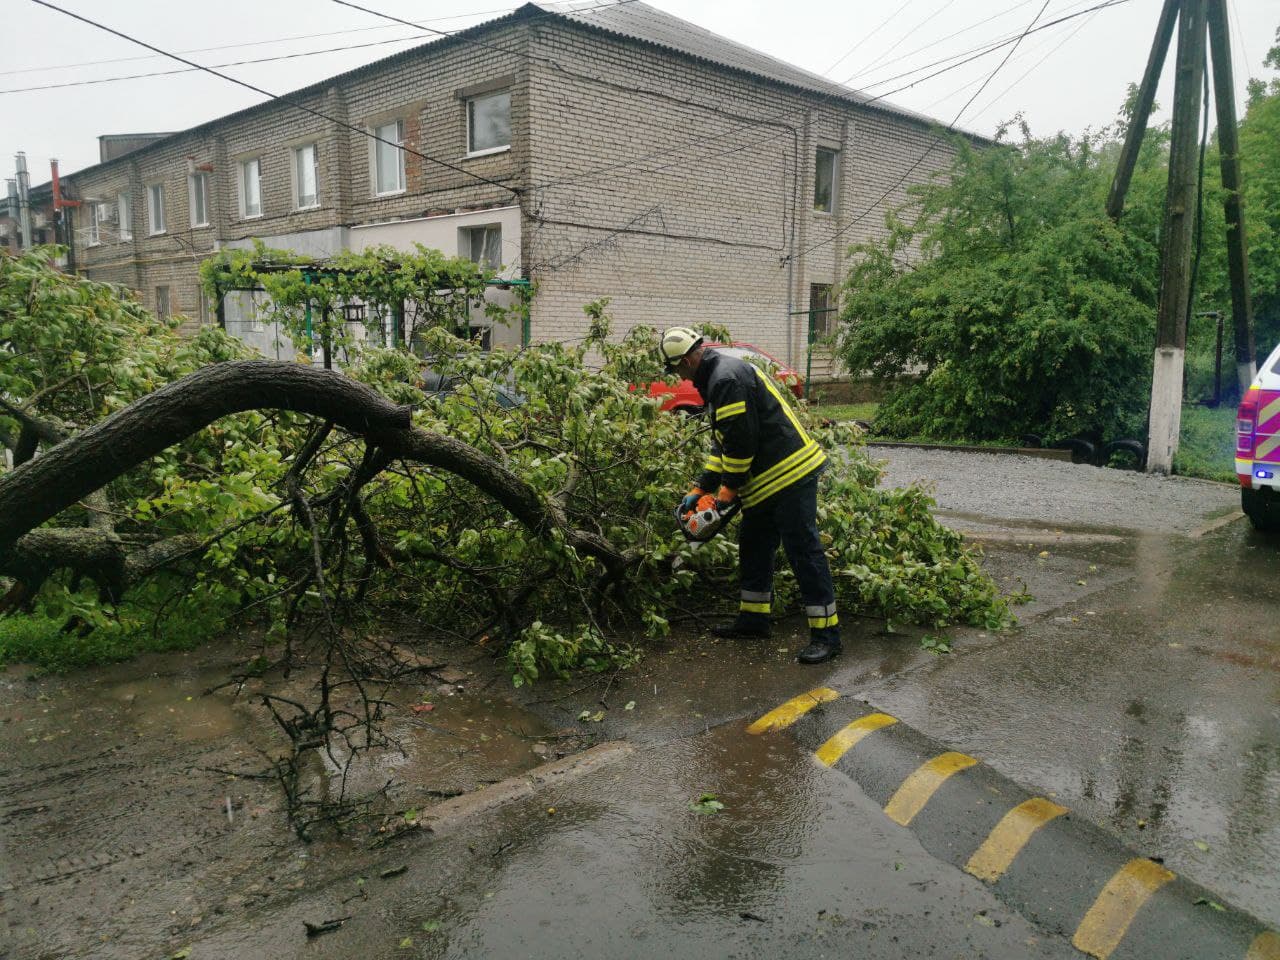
pixel 1068 77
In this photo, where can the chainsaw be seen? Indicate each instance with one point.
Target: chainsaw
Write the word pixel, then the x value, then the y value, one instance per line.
pixel 704 521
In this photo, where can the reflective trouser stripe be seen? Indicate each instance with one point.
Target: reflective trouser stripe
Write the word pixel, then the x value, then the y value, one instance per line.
pixel 747 607
pixel 819 610
pixel 821 623
pixel 757 596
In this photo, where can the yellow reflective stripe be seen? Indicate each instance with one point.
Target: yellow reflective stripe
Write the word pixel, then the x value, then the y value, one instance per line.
pixel 750 607
pixel 1272 409
pixel 918 788
pixel 737 464
pixel 1265 946
pixel 818 623
pixel 783 465
pixel 792 710
pixel 850 736
pixel 786 407
pixel 802 469
pixel 1266 446
pixel 731 410
pixel 713 463
pixel 1104 926
pixel 1010 835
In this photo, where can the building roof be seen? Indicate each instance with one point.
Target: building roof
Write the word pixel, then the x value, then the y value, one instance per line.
pixel 636 20
pixel 630 19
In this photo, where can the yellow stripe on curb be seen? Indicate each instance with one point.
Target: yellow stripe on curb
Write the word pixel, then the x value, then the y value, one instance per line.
pixel 1265 946
pixel 1104 926
pixel 923 784
pixel 1010 835
pixel 792 710
pixel 849 737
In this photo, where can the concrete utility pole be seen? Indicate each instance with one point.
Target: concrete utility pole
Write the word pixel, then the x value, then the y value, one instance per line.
pixel 1194 18
pixel 1176 241
pixel 24 200
pixel 1229 151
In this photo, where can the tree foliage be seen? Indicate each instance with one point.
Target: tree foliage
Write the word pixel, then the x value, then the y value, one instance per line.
pixel 1029 312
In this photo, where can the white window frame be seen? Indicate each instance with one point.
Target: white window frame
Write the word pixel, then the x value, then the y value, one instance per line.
pixel 296 169
pixel 124 214
pixel 202 190
pixel 471 102
pixel 95 232
pixel 376 144
pixel 156 225
pixel 465 235
pixel 242 186
pixel 835 179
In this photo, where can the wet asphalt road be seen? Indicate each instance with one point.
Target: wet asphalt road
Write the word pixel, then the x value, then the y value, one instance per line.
pixel 1141 693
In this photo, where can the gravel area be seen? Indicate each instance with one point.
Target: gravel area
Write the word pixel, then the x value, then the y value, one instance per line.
pixel 1011 487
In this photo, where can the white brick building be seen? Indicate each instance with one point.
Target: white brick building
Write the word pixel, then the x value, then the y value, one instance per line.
pixel 630 154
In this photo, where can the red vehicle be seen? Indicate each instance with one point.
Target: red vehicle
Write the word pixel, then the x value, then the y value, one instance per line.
pixel 685 398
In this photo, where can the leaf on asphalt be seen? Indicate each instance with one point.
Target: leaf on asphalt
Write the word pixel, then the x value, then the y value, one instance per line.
pixel 631 705
pixel 406 943
pixel 431 926
pixel 597 716
pixel 1202 846
pixel 584 716
pixel 181 954
pixel 1043 554
pixel 1212 904
pixel 390 872
pixel 707 803
pixel 411 815
pixel 326 926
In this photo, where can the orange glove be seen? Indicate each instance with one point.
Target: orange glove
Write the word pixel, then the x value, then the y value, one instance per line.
pixel 725 497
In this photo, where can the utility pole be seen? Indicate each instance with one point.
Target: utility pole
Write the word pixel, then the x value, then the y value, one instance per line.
pixel 24 200
pixel 1229 151
pixel 1195 19
pixel 1176 241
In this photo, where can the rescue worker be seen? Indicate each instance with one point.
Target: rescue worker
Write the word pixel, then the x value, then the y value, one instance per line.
pixel 761 454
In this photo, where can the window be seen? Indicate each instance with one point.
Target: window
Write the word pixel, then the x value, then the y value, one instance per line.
pixel 306 176
pixel 388 158
pixel 124 211
pixel 250 188
pixel 489 123
pixel 155 208
pixel 824 180
pixel 95 218
pixel 482 245
pixel 162 302
pixel 199 188
pixel 822 312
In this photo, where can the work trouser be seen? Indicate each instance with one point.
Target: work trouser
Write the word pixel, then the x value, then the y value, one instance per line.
pixel 789 517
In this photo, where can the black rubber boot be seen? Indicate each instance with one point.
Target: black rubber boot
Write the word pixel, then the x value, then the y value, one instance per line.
pixel 744 627
pixel 819 652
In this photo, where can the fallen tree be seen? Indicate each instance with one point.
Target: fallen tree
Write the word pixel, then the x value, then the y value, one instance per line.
pixel 528 504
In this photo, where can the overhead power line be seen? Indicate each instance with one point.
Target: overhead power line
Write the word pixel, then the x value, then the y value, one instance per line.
pixel 929 149
pixel 278 98
pixel 243 43
pixel 219 66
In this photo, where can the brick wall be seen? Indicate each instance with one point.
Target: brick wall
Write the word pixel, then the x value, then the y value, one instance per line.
pixel 682 191
pixel 685 192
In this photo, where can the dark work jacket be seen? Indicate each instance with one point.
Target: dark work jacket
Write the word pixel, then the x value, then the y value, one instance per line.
pixel 759 447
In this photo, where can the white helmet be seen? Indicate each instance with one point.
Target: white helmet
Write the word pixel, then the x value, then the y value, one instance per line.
pixel 678 342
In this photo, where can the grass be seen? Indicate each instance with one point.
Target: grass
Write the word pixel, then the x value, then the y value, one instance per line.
pixel 1207 444
pixel 848 411
pixel 38 638
pixel 1206 448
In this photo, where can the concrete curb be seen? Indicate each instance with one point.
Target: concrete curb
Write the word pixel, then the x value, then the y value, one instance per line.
pixel 1042 452
pixel 452 813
